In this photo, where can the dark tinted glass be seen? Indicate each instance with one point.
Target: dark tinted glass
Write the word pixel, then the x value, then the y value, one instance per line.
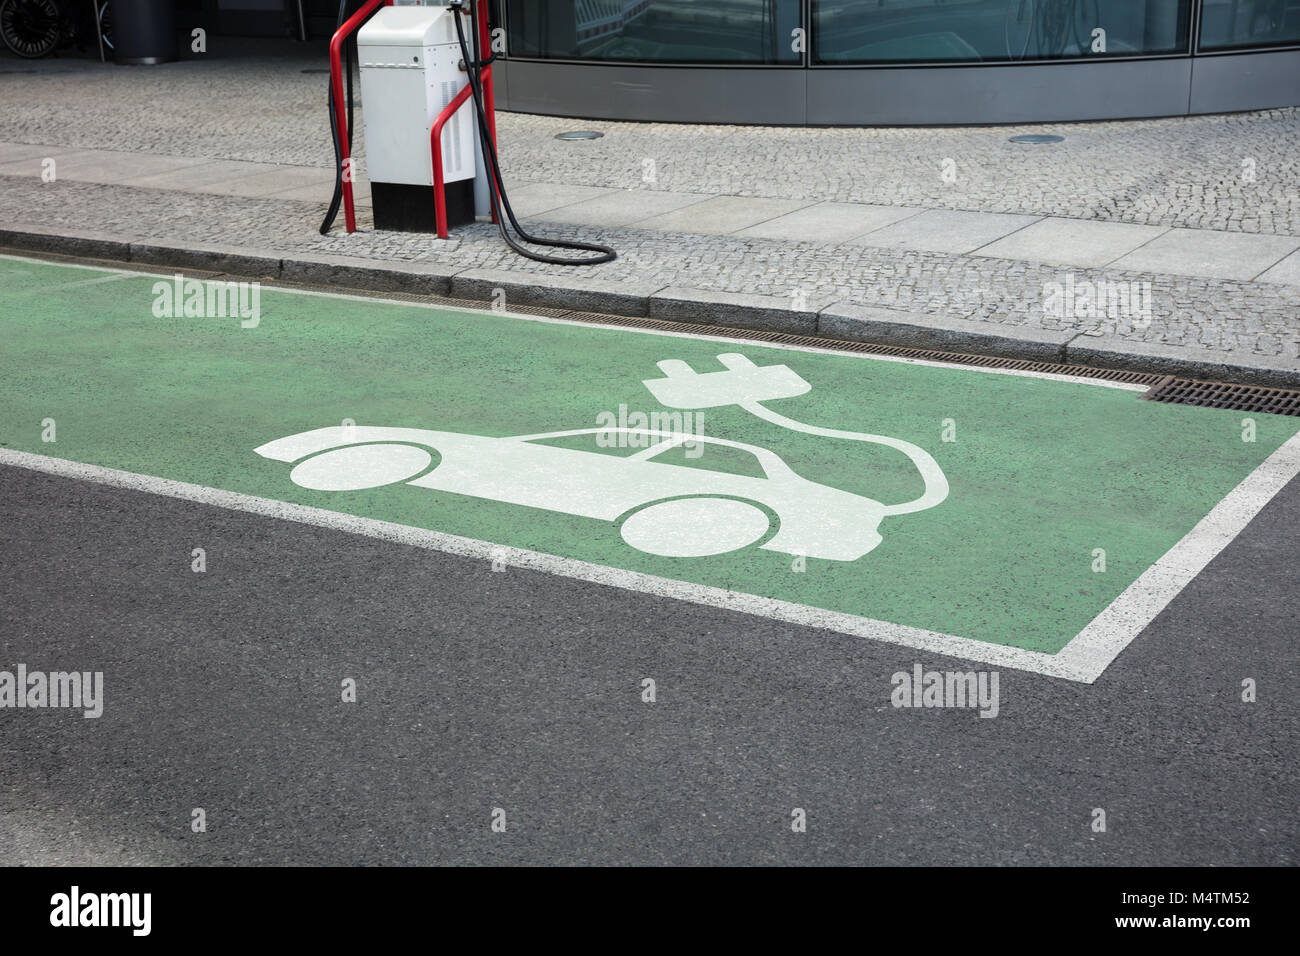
pixel 1227 24
pixel 928 31
pixel 657 31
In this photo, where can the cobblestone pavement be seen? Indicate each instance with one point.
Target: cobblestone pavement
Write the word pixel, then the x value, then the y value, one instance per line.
pixel 1175 172
pixel 1178 172
pixel 262 109
pixel 1237 172
pixel 1203 314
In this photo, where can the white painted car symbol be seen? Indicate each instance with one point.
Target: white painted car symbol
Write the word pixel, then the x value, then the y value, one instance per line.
pixel 659 508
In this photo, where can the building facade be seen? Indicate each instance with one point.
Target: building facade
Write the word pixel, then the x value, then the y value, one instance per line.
pixel 896 62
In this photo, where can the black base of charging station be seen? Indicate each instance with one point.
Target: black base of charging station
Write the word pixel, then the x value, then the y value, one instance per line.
pixel 404 208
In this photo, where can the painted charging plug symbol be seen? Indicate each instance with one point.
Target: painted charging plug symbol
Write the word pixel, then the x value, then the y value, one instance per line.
pixel 742 382
pixel 748 385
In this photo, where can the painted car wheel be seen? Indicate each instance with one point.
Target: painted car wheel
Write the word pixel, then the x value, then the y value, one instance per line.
pixel 694 527
pixel 361 466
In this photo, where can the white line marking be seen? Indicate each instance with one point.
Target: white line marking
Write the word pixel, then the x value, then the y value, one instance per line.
pixel 1048 376
pixel 1083 659
pixel 1093 648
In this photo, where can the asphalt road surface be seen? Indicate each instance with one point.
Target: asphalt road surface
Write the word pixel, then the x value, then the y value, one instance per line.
pixel 481 689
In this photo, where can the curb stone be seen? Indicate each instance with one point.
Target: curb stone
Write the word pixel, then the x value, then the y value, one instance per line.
pixel 89 244
pixel 429 278
pixel 184 255
pixel 762 313
pixel 578 293
pixel 857 323
pixel 1115 351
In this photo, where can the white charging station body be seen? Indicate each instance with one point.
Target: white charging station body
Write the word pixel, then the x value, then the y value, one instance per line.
pixel 410 71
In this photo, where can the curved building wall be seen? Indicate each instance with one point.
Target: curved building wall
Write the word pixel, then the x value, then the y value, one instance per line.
pixel 896 62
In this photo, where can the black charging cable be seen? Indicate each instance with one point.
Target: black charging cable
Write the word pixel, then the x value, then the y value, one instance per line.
pixel 333 210
pixel 473 69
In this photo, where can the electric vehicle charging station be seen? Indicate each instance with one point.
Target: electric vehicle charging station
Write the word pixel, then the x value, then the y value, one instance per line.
pixel 431 164
pixel 411 70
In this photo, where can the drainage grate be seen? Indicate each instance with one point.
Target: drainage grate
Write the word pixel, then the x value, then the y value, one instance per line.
pixel 1035 139
pixel 868 348
pixel 1238 398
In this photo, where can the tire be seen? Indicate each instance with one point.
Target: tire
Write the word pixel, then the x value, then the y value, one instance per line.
pixel 30 28
pixel 359 467
pixel 694 527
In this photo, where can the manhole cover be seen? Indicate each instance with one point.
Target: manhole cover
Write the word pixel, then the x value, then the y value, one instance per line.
pixel 1035 138
pixel 580 134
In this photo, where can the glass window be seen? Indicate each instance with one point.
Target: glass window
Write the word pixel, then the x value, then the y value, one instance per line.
pixel 1226 24
pixel 929 31
pixel 657 31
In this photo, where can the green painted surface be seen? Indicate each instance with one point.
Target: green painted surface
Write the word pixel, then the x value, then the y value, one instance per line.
pixel 1042 472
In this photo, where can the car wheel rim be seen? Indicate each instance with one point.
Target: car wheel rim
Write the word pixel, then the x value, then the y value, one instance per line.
pixel 30 27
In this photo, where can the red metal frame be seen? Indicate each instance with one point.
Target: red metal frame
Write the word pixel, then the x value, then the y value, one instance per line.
pixel 340 107
pixel 435 146
pixel 435 134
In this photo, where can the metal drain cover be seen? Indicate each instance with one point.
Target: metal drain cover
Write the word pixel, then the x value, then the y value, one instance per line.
pixel 1237 398
pixel 313 71
pixel 580 134
pixel 1035 138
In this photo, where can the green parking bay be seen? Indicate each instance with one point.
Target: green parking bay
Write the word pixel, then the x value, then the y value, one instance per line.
pixel 1073 511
